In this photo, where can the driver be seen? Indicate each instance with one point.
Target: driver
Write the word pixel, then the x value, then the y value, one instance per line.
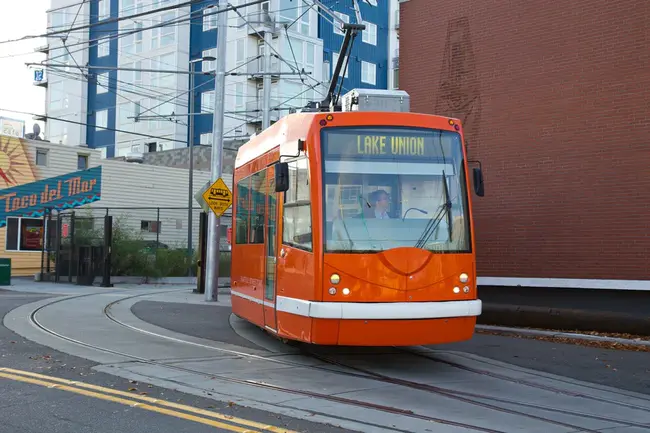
pixel 380 200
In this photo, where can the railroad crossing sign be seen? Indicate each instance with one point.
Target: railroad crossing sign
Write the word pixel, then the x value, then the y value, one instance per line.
pixel 218 197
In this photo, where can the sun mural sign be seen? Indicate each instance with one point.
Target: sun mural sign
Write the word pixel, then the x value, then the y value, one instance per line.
pixel 29 197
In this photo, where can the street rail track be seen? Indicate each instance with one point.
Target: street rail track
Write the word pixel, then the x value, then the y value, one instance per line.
pixel 388 409
pixel 524 382
pixel 467 397
pixel 453 394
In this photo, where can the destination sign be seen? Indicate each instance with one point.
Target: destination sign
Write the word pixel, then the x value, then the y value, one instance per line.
pixel 393 144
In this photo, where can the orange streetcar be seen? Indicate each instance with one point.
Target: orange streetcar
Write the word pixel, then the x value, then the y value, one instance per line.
pixel 354 228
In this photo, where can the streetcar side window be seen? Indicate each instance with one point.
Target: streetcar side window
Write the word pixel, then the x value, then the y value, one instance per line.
pixel 296 219
pixel 242 220
pixel 258 207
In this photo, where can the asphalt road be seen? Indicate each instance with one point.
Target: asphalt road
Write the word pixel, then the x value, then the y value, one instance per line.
pixel 617 368
pixel 36 407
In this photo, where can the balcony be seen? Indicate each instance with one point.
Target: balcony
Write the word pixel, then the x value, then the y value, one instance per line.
pixel 254 111
pixel 255 68
pixel 42 49
pixel 259 23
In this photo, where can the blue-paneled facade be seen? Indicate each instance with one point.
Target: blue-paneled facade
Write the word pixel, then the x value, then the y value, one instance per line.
pixel 203 36
pixel 104 57
pixel 374 52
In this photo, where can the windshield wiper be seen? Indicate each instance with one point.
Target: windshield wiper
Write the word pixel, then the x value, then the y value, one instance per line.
pixel 447 204
pixel 434 222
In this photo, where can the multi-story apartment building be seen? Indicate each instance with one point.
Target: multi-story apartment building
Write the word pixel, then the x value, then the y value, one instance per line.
pixel 126 82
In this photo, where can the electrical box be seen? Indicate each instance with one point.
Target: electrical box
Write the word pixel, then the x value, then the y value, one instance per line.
pixel 376 100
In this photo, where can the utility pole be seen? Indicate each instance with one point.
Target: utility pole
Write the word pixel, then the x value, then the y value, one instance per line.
pixel 190 189
pixel 213 250
pixel 266 82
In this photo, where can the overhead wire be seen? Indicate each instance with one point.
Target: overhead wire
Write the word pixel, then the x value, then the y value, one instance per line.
pixel 178 21
pixel 107 87
pixel 105 22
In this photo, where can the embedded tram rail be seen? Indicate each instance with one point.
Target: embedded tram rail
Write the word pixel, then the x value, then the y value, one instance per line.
pixel 346 369
pixel 368 405
pixel 466 396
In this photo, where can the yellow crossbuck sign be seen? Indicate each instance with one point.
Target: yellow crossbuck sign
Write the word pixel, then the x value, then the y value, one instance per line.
pixel 218 197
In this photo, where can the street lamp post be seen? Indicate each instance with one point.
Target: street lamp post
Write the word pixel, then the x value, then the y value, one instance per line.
pixel 190 190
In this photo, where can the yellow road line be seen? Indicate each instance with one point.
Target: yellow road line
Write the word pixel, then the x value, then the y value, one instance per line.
pixel 71 385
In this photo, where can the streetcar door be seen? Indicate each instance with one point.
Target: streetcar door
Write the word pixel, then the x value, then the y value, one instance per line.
pixel 271 250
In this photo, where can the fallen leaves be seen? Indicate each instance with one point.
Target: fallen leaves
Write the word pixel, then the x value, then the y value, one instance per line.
pixel 598 334
pixel 575 341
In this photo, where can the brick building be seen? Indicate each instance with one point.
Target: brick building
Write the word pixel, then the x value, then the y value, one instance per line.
pixel 555 101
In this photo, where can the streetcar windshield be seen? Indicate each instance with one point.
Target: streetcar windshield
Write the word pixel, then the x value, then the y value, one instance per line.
pixel 390 187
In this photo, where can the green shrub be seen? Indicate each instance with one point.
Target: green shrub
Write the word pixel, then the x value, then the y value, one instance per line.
pixel 133 256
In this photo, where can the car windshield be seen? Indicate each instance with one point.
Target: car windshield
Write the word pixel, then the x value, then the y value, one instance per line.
pixel 384 189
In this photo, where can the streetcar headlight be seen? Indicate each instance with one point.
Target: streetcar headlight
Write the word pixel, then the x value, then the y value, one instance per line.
pixel 456 289
pixel 332 291
pixel 346 291
pixel 335 278
pixel 464 278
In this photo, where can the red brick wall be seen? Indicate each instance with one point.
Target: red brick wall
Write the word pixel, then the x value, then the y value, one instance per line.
pixel 556 104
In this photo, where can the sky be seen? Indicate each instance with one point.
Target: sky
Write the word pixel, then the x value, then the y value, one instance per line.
pixel 17 91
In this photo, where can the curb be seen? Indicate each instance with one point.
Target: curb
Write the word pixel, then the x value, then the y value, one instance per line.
pixel 513 316
pixel 571 335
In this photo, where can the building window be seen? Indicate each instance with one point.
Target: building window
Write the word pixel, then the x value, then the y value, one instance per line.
pixel 127 6
pixel 168 29
pixel 102 83
pixel 138 37
pixel 104 9
pixel 335 59
pixel 209 21
pixel 137 75
pixel 155 38
pixel 207 101
pixel 240 21
pixel 209 65
pixel 101 119
pixel 103 47
pixel 206 139
pixel 82 162
pixel 337 23
pixel 239 94
pixel 241 50
pixel 104 151
pixel 368 73
pixel 124 114
pixel 150 226
pixel 296 220
pixel 369 35
pixel 24 234
pixel 41 157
